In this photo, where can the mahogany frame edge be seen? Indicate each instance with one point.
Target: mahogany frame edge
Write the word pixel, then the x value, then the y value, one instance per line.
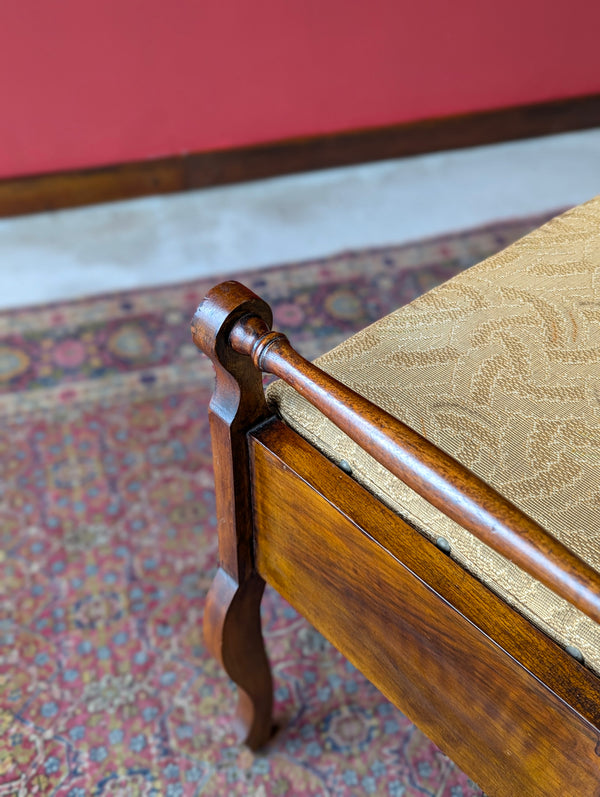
pixel 232 625
pixel 442 574
pixel 565 689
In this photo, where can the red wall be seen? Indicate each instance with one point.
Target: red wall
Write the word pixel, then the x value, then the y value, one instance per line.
pixel 91 82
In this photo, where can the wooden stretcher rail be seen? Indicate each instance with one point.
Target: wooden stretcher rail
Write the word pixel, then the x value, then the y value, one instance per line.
pixel 433 474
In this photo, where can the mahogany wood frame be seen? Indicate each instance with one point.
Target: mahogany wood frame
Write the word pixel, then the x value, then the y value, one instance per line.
pixel 32 194
pixel 510 706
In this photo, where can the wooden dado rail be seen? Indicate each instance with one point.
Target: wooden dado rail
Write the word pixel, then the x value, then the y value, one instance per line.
pixel 433 474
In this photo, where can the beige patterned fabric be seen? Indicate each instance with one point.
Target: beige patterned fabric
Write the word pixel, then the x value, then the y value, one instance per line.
pixel 500 367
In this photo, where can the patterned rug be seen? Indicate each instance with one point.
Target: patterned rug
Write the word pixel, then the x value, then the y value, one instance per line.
pixel 108 545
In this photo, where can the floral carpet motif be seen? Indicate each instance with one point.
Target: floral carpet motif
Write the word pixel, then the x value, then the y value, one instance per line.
pixel 108 545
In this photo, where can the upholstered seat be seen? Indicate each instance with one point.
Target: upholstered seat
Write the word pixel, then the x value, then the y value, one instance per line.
pixel 500 367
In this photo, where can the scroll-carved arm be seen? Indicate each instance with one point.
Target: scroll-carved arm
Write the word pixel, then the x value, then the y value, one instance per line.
pixel 433 474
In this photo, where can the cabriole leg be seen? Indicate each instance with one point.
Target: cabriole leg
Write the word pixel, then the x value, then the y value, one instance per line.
pixel 232 615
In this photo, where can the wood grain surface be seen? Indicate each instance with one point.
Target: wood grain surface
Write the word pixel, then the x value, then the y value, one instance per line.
pixel 518 714
pixel 232 615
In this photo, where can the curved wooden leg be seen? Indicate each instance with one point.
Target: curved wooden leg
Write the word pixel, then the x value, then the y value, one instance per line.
pixel 232 615
pixel 232 630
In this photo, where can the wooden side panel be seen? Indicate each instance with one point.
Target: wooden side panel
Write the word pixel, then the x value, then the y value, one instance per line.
pixel 511 733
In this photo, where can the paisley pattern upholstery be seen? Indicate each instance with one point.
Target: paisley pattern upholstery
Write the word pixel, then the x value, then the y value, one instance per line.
pixel 500 367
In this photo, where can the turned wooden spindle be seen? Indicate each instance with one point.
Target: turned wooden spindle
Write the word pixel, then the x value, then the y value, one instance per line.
pixel 433 474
